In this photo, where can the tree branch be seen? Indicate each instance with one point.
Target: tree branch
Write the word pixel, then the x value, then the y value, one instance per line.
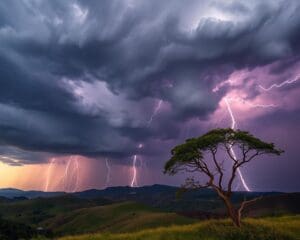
pixel 219 169
pixel 228 150
pixel 230 182
pixel 247 202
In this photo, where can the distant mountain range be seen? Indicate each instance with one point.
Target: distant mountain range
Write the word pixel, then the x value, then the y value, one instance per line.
pixel 158 196
pixel 119 192
pixel 17 193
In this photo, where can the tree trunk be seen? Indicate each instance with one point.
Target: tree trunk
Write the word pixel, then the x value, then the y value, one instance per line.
pixel 232 212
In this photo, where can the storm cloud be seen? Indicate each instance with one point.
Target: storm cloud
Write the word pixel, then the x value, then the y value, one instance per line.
pixel 84 77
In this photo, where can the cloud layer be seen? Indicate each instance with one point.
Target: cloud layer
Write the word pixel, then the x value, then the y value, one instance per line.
pixel 84 77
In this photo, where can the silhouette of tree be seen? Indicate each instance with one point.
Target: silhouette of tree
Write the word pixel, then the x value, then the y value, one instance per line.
pixel 202 155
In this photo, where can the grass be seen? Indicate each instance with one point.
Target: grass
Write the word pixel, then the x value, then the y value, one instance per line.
pixel 132 221
pixel 36 210
pixel 277 228
pixel 114 218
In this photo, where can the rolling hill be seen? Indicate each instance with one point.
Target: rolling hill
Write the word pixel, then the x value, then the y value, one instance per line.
pixel 283 204
pixel 116 218
pixel 34 211
pixel 15 193
pixel 123 209
pixel 71 215
pixel 276 228
pixel 166 198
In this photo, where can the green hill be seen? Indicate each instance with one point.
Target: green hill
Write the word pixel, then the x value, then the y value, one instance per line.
pixel 35 211
pixel 277 228
pixel 116 218
pixel 283 204
pixel 13 231
pixel 71 215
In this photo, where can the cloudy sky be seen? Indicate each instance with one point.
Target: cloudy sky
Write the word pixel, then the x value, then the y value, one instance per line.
pixel 87 85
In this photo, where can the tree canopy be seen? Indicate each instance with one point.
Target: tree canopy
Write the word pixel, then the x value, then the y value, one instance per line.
pixel 200 155
pixel 191 153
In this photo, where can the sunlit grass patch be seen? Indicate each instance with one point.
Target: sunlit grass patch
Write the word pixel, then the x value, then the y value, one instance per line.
pixel 280 228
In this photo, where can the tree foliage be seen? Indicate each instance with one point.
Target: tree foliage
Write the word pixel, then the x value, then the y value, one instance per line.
pixel 200 155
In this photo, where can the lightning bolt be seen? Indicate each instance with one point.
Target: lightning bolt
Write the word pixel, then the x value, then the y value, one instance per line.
pixel 71 173
pixel 66 173
pixel 233 121
pixel 48 174
pixel 233 125
pixel 222 84
pixel 241 100
pixel 156 110
pixel 107 182
pixel 141 145
pixel 70 179
pixel 76 186
pixel 282 84
pixel 134 173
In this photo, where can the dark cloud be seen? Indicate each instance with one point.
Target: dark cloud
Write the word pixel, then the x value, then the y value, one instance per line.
pixel 83 77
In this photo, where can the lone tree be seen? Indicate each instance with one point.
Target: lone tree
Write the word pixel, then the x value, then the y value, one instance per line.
pixel 200 155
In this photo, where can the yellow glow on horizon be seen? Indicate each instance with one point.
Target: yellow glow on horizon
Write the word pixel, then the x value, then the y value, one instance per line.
pixel 36 176
pixel 61 176
pixel 27 177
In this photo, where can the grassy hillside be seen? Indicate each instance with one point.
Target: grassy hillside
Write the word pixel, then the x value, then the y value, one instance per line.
pixel 279 228
pixel 70 215
pixel 121 217
pixel 35 211
pixel 283 204
pixel 11 230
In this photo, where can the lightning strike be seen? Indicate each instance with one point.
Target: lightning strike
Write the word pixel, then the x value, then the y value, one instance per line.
pixel 134 182
pixel 233 126
pixel 253 105
pixel 141 145
pixel 287 82
pixel 156 110
pixel 67 169
pixel 48 174
pixel 107 181
pixel 76 186
pixel 66 173
pixel 222 84
pixel 71 173
pixel 134 173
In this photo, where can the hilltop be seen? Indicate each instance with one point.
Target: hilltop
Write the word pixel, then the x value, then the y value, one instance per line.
pixel 119 210
pixel 158 196
pixel 279 228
